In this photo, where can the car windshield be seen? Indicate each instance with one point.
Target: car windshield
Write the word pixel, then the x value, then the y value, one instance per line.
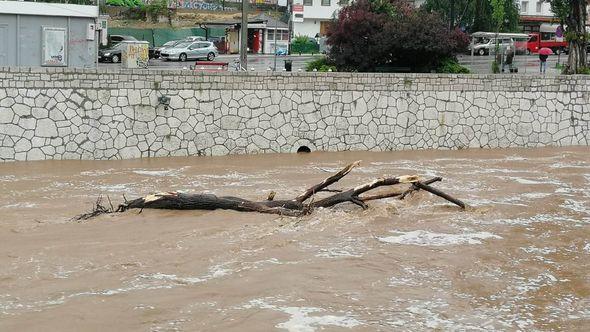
pixel 183 45
pixel 118 46
pixel 170 43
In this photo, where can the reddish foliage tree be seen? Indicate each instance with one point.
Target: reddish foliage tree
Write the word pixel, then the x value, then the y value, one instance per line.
pixel 365 37
pixel 356 39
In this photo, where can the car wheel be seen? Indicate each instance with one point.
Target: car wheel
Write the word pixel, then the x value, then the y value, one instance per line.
pixel 210 56
pixel 115 59
pixel 481 51
pixel 528 52
pixel 182 57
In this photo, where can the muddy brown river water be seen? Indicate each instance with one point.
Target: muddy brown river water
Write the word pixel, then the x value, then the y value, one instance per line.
pixel 517 259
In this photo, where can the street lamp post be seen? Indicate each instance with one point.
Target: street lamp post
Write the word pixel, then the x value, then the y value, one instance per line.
pixel 244 36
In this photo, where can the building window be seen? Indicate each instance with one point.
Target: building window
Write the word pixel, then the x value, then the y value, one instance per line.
pixel 325 2
pixel 524 7
pixel 271 34
pixel 285 35
pixel 539 4
pixel 308 2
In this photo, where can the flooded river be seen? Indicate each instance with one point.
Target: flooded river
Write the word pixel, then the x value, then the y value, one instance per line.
pixel 517 259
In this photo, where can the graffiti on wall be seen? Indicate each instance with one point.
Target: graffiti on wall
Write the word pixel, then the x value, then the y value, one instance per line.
pixel 135 56
pixel 198 4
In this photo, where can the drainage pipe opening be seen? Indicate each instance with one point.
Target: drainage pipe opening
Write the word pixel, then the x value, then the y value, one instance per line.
pixel 303 149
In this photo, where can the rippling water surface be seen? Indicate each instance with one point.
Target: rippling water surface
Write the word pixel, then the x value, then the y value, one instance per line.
pixel 517 259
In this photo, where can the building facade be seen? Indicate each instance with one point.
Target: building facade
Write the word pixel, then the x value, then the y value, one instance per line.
pixel 36 34
pixel 533 13
pixel 311 17
pixel 263 33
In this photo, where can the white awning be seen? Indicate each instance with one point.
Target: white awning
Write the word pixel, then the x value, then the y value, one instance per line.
pixel 500 35
pixel 47 9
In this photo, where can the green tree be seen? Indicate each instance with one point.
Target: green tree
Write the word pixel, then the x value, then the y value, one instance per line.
pixel 498 14
pixel 482 16
pixel 573 13
pixel 475 15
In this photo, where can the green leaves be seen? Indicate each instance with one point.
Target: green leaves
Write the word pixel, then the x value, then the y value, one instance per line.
pixel 498 13
pixel 476 15
pixel 560 8
pixel 125 3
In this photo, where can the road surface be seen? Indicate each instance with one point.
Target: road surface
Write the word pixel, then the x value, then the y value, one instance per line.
pixel 526 64
pixel 255 62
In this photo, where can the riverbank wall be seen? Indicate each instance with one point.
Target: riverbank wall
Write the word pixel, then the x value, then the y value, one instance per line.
pixel 62 113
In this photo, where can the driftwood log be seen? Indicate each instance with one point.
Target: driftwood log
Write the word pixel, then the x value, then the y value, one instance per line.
pixel 298 206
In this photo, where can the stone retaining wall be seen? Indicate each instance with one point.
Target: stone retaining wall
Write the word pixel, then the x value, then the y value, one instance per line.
pixel 57 113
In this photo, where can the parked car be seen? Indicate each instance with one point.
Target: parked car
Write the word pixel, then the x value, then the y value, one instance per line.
pixel 566 49
pixel 166 45
pixel 487 47
pixel 114 40
pixel 215 39
pixel 112 54
pixel 195 38
pixel 191 50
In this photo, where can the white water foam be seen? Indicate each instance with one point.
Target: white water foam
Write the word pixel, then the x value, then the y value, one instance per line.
pixel 541 251
pixel 425 238
pixel 533 181
pixel 109 171
pixel 152 281
pixel 576 206
pixel 301 321
pixel 160 172
pixel 539 218
pixel 18 205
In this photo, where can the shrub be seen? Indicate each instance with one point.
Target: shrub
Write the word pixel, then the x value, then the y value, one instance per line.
pixel 451 66
pixel 125 3
pixel 304 44
pixel 369 35
pixel 495 67
pixel 321 64
pixel 156 8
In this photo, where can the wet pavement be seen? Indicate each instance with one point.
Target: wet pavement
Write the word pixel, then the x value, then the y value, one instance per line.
pixel 516 259
pixel 256 62
pixel 526 64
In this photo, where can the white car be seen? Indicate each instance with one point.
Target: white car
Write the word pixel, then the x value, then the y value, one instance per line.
pixel 489 46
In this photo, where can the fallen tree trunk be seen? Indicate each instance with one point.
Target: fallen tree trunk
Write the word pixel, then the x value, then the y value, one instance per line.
pixel 298 206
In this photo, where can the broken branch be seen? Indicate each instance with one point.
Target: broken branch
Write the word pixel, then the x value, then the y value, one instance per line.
pixel 293 207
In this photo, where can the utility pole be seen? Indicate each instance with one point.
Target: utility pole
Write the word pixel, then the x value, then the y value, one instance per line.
pixel 244 36
pixel 275 34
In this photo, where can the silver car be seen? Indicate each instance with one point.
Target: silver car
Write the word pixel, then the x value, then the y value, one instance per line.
pixel 490 46
pixel 191 50
pixel 195 38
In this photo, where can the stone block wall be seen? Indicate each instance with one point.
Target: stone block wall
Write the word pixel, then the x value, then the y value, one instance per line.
pixel 60 113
